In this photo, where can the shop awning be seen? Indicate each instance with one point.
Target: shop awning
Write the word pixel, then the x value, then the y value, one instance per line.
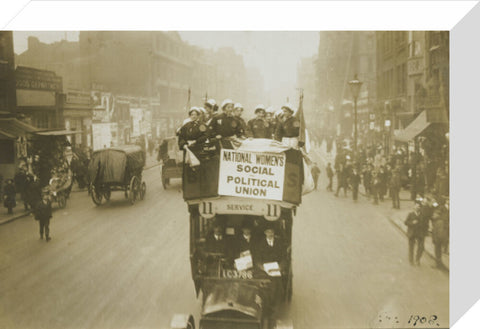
pixel 414 129
pixel 58 132
pixel 14 128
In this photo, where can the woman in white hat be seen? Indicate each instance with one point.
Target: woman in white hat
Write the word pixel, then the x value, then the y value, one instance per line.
pixel 194 132
pixel 225 124
pixel 288 130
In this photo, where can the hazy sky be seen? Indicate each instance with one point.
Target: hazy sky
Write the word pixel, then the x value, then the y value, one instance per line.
pixel 275 54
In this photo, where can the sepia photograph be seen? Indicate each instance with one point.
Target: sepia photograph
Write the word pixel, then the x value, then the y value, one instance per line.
pixel 188 179
pixel 253 165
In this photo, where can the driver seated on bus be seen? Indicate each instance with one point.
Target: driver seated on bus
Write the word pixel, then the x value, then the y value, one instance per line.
pixel 270 249
pixel 244 241
pixel 215 241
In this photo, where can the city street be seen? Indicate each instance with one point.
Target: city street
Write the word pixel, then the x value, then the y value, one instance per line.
pixel 123 266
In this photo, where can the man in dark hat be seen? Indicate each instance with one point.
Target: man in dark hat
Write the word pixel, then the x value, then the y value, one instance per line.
pixel 43 213
pixel 417 227
pixel 9 194
pixel 244 242
pixel 270 249
pixel 215 241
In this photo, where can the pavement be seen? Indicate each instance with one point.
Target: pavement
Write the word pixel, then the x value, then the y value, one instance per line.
pixel 395 216
pixel 19 212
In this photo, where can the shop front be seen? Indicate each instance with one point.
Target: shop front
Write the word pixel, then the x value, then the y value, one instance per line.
pixel 39 97
pixel 77 113
pixel 14 136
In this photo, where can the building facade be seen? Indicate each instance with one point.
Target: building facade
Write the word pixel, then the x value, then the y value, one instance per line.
pixel 7 74
pixel 341 56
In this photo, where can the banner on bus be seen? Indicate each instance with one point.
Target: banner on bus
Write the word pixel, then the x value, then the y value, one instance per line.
pixel 248 174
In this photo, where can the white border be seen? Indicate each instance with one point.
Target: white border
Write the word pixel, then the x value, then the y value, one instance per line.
pixel 240 15
pixel 293 16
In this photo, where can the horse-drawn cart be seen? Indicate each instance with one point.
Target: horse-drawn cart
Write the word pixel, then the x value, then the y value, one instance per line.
pixel 117 169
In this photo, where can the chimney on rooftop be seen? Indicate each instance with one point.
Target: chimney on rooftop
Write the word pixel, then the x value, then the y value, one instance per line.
pixel 33 42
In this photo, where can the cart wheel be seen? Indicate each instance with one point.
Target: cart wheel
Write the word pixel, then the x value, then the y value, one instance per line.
pixel 143 190
pixel 96 196
pixel 62 200
pixel 107 195
pixel 134 189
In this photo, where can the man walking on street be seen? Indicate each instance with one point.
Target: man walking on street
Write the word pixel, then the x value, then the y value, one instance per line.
pixel 395 184
pixel 330 177
pixel 417 228
pixel 440 230
pixel 342 180
pixel 43 213
pixel 315 174
pixel 355 182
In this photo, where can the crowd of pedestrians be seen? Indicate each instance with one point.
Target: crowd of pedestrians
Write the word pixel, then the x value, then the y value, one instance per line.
pixel 383 178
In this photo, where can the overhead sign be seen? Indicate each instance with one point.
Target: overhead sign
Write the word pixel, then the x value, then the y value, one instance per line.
pixel 77 97
pixel 241 206
pixel 251 174
pixel 34 79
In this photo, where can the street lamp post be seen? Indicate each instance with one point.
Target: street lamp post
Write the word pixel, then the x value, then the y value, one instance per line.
pixel 355 86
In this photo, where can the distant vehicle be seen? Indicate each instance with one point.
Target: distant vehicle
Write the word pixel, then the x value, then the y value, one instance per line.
pixel 172 159
pixel 237 291
pixel 117 169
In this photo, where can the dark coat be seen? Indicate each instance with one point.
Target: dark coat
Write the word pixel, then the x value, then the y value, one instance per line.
pixel 440 225
pixel 258 128
pixel 266 254
pixel 241 245
pixel 355 180
pixel 395 180
pixel 192 131
pixel 330 172
pixel 315 171
pixel 9 196
pixel 43 211
pixel 33 192
pixel 225 126
pixel 215 246
pixel 417 225
pixel 288 128
pixel 243 125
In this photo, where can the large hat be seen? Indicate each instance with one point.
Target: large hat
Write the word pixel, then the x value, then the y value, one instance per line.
pixel 259 108
pixel 288 107
pixel 226 102
pixel 238 106
pixel 202 110
pixel 194 109
pixel 270 110
pixel 211 103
